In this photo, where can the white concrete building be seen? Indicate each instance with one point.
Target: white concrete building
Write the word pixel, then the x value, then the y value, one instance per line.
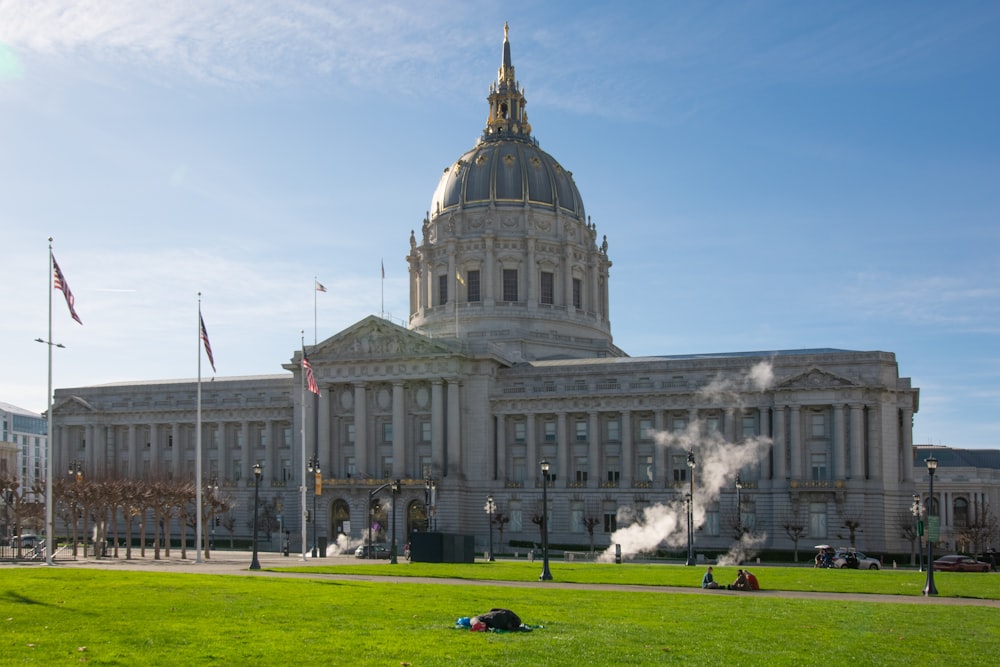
pixel 509 359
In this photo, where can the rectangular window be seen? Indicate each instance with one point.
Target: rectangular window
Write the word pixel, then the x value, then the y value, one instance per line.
pixel 238 439
pixel 520 469
pixel 516 524
pixel 286 470
pixel 577 293
pixel 711 425
pixel 581 466
pixel 387 432
pixel 576 517
pixel 349 468
pixel 350 433
pixel 610 522
pixel 510 284
pixel 818 423
pixel 645 429
pixel 679 424
pixel 472 286
pixel 442 289
pixel 818 465
pixel 614 470
pixel 817 520
pixel 749 426
pixel 614 430
pixel 386 467
pixel 581 431
pixel 550 431
pixel 237 470
pixel 520 431
pixel 426 467
pixel 644 472
pixel 680 468
pixel 425 431
pixel 711 526
pixel 286 436
pixel 262 437
pixel 547 288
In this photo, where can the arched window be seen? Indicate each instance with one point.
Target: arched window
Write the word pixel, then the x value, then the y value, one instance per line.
pixel 961 512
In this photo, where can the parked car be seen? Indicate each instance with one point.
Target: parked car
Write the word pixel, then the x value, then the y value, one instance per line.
pixel 843 558
pixel 372 551
pixel 960 563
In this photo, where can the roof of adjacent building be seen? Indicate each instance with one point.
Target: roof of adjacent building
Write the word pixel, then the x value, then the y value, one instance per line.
pixel 948 457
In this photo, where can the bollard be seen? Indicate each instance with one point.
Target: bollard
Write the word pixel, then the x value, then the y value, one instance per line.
pixel 618 554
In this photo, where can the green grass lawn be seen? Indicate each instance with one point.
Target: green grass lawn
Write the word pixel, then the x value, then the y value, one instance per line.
pixel 889 582
pixel 100 617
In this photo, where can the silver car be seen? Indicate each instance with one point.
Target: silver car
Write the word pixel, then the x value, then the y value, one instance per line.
pixel 843 558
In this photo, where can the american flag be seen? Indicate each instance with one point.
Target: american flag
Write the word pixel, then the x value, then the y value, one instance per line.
pixel 310 378
pixel 320 287
pixel 59 282
pixel 204 339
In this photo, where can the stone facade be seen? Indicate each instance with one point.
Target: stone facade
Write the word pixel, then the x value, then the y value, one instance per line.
pixel 508 360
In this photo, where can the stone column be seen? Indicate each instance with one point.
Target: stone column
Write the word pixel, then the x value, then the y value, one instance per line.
pixel 530 271
pixel 906 465
pixel 857 442
pixel 245 471
pixel 361 431
pixel 133 453
pixel 628 454
pixel 594 451
pixel 562 448
pixel 795 442
pixel 780 446
pixel 454 441
pixel 839 453
pixel 660 461
pixel 154 450
pixel 567 272
pixel 398 431
pixel 531 448
pixel 501 436
pixel 437 427
pixel 323 440
pixel 176 450
pixel 488 276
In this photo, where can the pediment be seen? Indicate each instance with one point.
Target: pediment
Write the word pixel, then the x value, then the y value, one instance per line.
pixel 72 405
pixel 815 378
pixel 375 338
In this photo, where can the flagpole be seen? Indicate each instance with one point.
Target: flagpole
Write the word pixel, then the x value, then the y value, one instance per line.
pixel 302 488
pixel 50 522
pixel 197 448
pixel 315 299
pixel 382 311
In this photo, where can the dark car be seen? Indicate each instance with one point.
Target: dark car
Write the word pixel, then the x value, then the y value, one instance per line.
pixel 369 551
pixel 960 563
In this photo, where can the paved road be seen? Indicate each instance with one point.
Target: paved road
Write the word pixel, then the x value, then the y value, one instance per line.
pixel 238 563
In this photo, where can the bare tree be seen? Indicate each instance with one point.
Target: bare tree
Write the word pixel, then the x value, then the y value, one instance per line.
pixel 795 530
pixel 980 533
pixel 853 526
pixel 501 520
pixel 906 523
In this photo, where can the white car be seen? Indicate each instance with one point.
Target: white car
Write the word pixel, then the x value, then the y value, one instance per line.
pixel 842 559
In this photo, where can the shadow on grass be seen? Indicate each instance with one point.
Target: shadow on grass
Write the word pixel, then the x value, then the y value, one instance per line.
pixel 17 598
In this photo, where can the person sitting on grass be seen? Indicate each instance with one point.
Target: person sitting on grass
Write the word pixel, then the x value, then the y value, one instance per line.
pixel 751 581
pixel 741 583
pixel 708 581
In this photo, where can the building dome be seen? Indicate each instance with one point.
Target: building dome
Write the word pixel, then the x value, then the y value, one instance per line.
pixel 507 172
pixel 507 257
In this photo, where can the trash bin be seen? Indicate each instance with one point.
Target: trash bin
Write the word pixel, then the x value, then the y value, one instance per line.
pixel 321 545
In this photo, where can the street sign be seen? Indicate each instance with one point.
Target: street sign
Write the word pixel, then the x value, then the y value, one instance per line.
pixel 934 528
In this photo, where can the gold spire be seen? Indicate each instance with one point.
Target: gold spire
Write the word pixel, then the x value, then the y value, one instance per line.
pixel 508 118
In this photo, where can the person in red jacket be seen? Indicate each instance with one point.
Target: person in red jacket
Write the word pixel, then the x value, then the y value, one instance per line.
pixel 752 580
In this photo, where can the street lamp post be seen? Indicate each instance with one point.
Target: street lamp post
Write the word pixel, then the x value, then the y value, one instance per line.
pixel 915 508
pixel 929 588
pixel 314 469
pixel 427 504
pixel 257 471
pixel 490 508
pixel 546 574
pixel 392 553
pixel 690 508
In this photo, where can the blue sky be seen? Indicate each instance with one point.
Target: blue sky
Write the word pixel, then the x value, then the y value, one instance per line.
pixel 770 175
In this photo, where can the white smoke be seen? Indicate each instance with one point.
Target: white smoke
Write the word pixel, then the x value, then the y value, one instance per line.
pixel 343 545
pixel 717 462
pixel 745 549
